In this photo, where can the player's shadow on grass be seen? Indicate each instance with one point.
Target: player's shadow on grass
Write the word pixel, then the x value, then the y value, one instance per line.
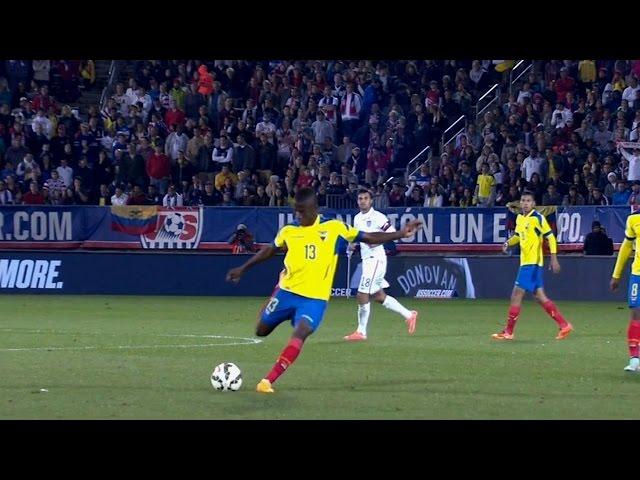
pixel 381 384
pixel 373 343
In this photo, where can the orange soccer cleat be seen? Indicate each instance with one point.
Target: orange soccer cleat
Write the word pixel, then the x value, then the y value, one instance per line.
pixel 264 386
pixel 564 332
pixel 411 322
pixel 355 337
pixel 502 336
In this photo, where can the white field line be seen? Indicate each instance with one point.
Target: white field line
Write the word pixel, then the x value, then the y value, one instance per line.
pixel 242 341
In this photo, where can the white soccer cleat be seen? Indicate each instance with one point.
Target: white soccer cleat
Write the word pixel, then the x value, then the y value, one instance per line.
pixel 634 365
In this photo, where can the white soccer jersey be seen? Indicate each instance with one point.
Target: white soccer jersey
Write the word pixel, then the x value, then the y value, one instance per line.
pixel 372 221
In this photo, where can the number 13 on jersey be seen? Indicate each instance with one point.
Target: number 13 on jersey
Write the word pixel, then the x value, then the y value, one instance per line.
pixel 310 252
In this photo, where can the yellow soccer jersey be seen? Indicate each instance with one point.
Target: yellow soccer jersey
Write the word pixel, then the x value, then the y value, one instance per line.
pixel 312 255
pixel 531 230
pixel 631 233
pixel 485 183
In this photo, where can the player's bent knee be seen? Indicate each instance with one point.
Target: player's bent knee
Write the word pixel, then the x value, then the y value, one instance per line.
pixel 262 330
pixel 540 296
pixel 303 329
pixel 380 297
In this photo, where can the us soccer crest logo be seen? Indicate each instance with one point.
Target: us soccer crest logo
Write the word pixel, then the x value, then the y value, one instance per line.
pixel 176 228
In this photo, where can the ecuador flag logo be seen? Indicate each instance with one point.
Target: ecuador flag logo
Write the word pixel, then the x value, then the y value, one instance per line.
pixel 134 219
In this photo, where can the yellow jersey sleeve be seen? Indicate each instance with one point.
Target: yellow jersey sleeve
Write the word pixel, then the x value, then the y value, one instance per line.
pixel 547 232
pixel 628 229
pixel 545 228
pixel 349 233
pixel 281 238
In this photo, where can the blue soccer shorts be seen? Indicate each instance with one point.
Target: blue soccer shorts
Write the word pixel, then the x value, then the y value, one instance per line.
pixel 530 278
pixel 634 287
pixel 285 305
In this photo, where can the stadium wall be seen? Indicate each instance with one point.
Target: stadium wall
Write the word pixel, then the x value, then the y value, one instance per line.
pixel 209 228
pixel 183 273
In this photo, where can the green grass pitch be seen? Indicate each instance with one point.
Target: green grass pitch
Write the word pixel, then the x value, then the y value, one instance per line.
pixel 143 358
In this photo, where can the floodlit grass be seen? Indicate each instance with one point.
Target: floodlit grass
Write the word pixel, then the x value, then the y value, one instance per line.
pixel 103 357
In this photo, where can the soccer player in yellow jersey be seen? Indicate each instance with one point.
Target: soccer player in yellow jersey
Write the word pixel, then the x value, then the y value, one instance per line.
pixel 305 287
pixel 531 229
pixel 631 233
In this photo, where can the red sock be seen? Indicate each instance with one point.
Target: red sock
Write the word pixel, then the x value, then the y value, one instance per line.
pixel 514 313
pixel 554 313
pixel 633 336
pixel 286 358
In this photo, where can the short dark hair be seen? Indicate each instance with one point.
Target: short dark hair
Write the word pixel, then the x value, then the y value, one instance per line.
pixel 528 192
pixel 304 194
pixel 364 191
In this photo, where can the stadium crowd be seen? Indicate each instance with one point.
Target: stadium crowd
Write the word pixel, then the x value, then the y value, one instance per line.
pixel 226 133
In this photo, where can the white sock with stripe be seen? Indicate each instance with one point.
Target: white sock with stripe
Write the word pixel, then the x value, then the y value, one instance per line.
pixel 395 306
pixel 363 317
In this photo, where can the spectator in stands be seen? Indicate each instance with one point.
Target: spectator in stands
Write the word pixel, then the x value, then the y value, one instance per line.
pixel 634 197
pixel 81 195
pixel 41 71
pixel 210 196
pixel 134 167
pixel 222 155
pixel 119 197
pixel 261 199
pixel 103 198
pixel 485 188
pixel 6 197
pixel 28 169
pixel 573 198
pixel 137 196
pixel 33 196
pixel 551 197
pixel 413 194
pixel 597 242
pixel 153 197
pixel 8 170
pixel 176 142
pixel 561 116
pixel 266 156
pixel 16 152
pixel 597 198
pixel 88 74
pixel 172 198
pixel 227 200
pixel 350 107
pixel 158 169
pixel 205 81
pixel 634 162
pixel 223 176
pixel 622 194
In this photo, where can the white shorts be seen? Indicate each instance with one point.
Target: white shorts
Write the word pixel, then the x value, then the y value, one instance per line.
pixel 373 272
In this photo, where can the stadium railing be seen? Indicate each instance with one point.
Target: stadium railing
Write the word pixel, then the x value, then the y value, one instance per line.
pixel 412 163
pixel 495 89
pixel 518 71
pixel 114 70
pixel 447 137
pixel 340 201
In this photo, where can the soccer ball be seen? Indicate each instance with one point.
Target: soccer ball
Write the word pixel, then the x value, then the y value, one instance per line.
pixel 226 376
pixel 174 223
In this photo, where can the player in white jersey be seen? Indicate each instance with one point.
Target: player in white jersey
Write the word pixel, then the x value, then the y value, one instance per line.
pixel 374 267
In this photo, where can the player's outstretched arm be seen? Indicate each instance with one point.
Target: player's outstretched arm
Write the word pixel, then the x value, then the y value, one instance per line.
pixel 382 237
pixel 623 255
pixel 265 253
